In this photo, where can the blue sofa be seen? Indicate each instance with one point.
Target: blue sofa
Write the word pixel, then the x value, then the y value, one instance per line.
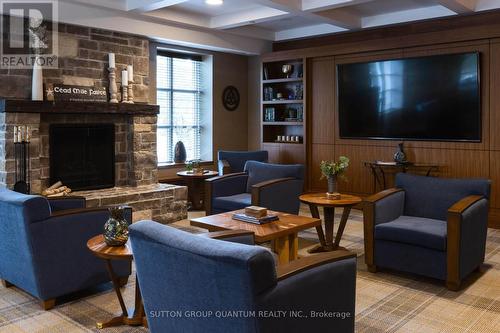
pixel 234 161
pixel 194 284
pixel 429 226
pixel 274 186
pixel 43 245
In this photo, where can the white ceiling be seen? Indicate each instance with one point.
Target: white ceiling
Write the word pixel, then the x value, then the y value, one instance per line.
pixel 275 20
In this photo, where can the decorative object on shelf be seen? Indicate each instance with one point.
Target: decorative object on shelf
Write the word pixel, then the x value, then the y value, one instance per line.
pixel 299 92
pixel 116 228
pixel 49 92
pixel 266 74
pixel 56 190
pixel 268 93
pixel 37 82
pixel 288 138
pixel 231 98
pixel 194 167
pixel 332 171
pixel 270 114
pixel 22 138
pixel 124 86
pixel 286 69
pixel 279 96
pixel 300 113
pixel 113 89
pixel 63 92
pixel 400 155
pixel 180 152
pixel 130 90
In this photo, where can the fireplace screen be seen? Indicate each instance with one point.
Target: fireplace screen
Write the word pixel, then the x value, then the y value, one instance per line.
pixel 83 156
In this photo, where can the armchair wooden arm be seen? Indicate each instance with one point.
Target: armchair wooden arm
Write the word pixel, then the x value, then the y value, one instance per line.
pixel 217 178
pixel 224 234
pixel 369 224
pixel 453 226
pixel 306 263
pixel 262 185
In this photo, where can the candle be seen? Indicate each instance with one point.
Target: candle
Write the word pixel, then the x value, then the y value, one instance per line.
pixel 124 78
pixel 28 135
pixel 111 60
pixel 15 134
pixel 130 71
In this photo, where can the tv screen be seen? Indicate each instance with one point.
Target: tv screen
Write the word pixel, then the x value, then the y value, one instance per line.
pixel 426 98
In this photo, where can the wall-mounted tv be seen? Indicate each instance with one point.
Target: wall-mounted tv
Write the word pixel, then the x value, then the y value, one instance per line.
pixel 426 98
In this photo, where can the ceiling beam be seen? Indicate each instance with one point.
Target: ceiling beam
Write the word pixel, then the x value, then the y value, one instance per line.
pixel 294 7
pixel 341 18
pixel 142 6
pixel 252 16
pixel 317 5
pixel 459 6
pixel 404 16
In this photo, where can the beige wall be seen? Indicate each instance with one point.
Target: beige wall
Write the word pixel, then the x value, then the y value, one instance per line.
pixel 254 97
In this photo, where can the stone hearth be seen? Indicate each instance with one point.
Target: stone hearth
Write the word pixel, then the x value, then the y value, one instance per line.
pixel 136 170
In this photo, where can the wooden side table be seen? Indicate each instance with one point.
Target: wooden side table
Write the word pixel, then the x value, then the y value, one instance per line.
pixel 98 247
pixel 315 200
pixel 195 186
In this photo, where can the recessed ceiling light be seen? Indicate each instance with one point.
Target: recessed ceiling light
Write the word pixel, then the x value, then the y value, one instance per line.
pixel 214 2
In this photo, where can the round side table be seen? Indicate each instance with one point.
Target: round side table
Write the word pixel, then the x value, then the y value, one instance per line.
pixel 315 200
pixel 100 249
pixel 195 183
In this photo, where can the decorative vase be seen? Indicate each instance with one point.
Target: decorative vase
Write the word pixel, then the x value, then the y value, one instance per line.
pixel 37 82
pixel 116 228
pixel 332 188
pixel 180 153
pixel 400 155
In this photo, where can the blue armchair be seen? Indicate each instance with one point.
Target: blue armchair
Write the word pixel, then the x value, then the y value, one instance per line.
pixel 193 284
pixel 273 186
pixel 234 161
pixel 43 245
pixel 429 226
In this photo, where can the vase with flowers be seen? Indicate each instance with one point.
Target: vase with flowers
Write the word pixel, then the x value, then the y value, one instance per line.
pixel 332 171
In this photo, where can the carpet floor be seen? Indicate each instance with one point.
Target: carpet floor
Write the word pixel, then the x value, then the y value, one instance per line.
pixel 385 301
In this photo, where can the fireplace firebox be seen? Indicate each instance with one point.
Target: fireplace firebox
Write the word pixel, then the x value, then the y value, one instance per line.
pixel 82 156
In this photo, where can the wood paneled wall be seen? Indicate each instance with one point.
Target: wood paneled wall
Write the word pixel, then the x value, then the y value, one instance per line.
pixel 456 159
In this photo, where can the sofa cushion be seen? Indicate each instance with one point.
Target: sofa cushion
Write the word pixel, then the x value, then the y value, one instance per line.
pixel 259 172
pixel 412 230
pixel 232 202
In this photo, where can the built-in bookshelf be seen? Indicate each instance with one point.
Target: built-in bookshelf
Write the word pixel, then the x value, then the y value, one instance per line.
pixel 283 110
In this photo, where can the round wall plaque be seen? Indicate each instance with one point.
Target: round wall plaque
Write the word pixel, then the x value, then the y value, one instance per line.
pixel 231 98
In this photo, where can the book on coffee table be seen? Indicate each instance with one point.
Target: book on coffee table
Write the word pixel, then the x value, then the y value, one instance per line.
pixel 255 220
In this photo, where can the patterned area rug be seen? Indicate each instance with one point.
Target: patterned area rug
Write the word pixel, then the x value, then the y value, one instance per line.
pixel 385 302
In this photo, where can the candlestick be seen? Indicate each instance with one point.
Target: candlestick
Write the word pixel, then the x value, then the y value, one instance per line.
pixel 124 94
pixel 113 89
pixel 130 72
pixel 124 78
pixel 130 92
pixel 111 59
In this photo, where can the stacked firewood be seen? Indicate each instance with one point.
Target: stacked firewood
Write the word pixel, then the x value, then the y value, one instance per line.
pixel 56 190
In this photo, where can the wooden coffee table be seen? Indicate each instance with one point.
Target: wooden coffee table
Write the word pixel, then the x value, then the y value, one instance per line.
pixel 315 200
pixel 281 233
pixel 195 182
pixel 99 248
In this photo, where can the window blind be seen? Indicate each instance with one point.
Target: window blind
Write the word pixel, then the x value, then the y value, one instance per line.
pixel 178 95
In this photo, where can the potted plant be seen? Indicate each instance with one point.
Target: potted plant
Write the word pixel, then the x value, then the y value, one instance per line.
pixel 193 166
pixel 332 171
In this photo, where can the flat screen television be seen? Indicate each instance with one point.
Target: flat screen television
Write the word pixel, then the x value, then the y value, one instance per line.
pixel 426 98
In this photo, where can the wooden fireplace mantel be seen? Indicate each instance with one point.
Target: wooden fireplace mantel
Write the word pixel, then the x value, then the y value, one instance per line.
pixel 27 106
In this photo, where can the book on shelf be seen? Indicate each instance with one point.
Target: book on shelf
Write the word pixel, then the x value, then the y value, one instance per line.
pixel 250 219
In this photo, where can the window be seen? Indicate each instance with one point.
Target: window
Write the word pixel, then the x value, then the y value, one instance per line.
pixel 179 96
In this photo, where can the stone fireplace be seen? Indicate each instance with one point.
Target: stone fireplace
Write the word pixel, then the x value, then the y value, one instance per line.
pixel 135 163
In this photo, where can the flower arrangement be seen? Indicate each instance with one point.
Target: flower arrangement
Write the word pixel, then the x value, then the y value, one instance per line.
pixel 331 168
pixel 193 166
